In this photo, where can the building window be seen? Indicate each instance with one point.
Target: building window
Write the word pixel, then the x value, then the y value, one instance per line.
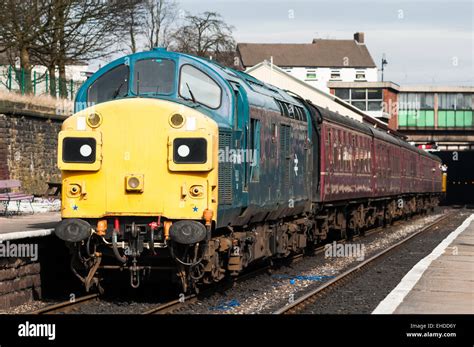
pixel 335 75
pixel 447 101
pixel 374 94
pixel 358 94
pixel 455 101
pixel 362 98
pixel 416 101
pixel 311 75
pixel 374 105
pixel 343 93
pixel 361 105
pixel 360 75
pixel 427 101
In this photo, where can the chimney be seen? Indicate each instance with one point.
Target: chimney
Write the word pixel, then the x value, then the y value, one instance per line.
pixel 359 37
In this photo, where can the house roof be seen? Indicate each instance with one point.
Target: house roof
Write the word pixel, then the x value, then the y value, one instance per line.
pixel 320 53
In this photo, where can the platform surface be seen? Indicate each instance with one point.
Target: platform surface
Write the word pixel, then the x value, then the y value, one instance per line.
pixel 446 284
pixel 38 224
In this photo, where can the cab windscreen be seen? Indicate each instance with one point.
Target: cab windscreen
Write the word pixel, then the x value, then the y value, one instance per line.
pixel 79 150
pixel 190 151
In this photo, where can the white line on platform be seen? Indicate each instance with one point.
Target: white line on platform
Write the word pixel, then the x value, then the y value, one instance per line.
pixel 25 234
pixel 398 294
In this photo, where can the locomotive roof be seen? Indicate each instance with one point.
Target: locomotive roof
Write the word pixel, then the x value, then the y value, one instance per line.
pixel 366 129
pixel 255 84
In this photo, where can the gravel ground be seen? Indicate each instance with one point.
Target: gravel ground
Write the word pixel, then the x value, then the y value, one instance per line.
pixel 266 293
pixel 25 308
pixel 113 307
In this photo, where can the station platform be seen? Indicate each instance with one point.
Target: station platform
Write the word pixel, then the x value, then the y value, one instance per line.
pixel 440 283
pixel 28 225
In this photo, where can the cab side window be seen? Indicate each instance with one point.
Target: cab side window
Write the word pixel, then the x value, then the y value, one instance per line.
pixel 197 86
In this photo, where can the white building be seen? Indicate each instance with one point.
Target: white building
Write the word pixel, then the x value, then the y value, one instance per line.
pixel 315 63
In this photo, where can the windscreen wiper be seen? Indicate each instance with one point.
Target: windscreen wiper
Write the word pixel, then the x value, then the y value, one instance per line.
pixel 117 91
pixel 191 93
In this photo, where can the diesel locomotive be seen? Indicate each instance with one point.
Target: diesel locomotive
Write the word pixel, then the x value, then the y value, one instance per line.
pixel 175 163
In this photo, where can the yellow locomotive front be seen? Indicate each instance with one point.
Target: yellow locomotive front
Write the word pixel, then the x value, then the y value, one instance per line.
pixel 136 174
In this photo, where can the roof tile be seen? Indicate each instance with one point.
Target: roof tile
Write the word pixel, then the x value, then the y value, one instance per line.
pixel 320 53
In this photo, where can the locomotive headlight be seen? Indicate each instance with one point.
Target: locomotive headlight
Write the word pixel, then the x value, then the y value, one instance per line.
pixel 79 150
pixel 94 120
pixel 183 151
pixel 85 150
pixel 134 183
pixel 190 150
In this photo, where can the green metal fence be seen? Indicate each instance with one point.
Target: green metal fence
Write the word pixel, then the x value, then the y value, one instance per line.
pixel 36 83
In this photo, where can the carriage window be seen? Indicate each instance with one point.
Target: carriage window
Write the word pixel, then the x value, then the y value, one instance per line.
pixel 111 85
pixel 154 76
pixel 196 85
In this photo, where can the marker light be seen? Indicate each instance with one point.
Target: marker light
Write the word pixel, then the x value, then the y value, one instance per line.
pixel 94 120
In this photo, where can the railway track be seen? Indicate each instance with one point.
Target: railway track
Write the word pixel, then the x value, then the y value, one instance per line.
pixel 174 305
pixel 301 303
pixel 67 306
pixel 183 301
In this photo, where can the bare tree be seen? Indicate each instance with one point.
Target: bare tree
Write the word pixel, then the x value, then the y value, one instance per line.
pixel 55 33
pixel 205 35
pixel 46 48
pixel 21 24
pixel 87 30
pixel 80 30
pixel 161 16
pixel 132 21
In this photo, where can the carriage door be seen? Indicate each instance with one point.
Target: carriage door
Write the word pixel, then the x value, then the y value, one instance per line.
pixel 240 140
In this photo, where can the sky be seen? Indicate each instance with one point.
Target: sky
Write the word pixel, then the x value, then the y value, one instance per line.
pixel 424 42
